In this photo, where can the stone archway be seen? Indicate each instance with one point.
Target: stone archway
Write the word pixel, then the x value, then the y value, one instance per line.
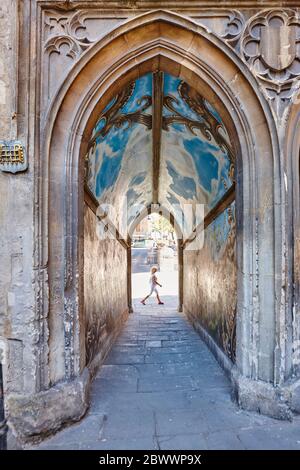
pixel 168 42
pixel 170 217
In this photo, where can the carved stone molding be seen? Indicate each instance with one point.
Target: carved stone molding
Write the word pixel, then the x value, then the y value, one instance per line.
pixel 226 24
pixel 271 47
pixel 84 27
pixel 54 45
pixel 66 36
pixel 234 27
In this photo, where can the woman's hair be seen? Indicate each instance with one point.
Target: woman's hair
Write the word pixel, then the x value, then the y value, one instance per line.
pixel 153 269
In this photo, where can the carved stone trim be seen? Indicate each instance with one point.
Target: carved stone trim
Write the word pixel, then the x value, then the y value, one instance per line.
pixel 234 89
pixel 54 44
pixel 84 27
pixel 271 48
pixel 234 27
pixel 226 24
pixel 77 31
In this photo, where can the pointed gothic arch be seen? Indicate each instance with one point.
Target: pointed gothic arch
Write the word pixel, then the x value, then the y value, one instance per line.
pixel 169 42
pixel 166 41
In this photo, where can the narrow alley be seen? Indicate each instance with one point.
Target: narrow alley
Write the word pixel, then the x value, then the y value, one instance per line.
pixel 161 388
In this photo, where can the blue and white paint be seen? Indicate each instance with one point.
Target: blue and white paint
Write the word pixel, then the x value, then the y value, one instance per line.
pixel 193 168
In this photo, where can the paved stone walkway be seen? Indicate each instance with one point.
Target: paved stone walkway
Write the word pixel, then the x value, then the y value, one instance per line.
pixel 161 388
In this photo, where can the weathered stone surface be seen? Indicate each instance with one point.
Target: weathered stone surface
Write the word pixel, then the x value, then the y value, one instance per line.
pixel 263 398
pixel 224 440
pixel 291 394
pixel 210 282
pixel 8 51
pixel 50 96
pixel 271 437
pixel 183 441
pixel 194 418
pixel 38 415
pixel 105 290
pixel 18 321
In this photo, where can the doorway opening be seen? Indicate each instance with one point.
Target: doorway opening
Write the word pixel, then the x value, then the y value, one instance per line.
pixel 154 244
pixel 171 137
pixel 160 150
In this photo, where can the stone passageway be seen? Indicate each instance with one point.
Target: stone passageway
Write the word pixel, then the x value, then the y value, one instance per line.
pixel 161 388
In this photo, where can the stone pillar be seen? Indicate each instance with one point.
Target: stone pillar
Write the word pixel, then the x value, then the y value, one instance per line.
pixel 18 319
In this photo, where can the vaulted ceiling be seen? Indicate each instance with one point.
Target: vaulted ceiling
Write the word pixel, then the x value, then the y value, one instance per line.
pixel 158 142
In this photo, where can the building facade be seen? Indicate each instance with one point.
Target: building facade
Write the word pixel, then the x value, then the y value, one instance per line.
pixel 169 103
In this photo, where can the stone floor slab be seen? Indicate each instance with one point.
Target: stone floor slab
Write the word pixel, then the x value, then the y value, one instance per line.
pixel 224 440
pixel 183 442
pixel 153 344
pixel 165 383
pixel 180 421
pixel 161 388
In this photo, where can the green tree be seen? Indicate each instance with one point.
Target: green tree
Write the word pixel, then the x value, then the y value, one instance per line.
pixel 162 225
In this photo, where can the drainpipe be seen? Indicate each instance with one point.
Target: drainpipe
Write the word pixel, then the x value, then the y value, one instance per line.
pixel 3 426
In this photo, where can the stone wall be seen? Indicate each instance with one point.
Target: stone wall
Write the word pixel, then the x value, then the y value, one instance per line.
pixel 105 290
pixel 255 92
pixel 7 68
pixel 210 282
pixel 18 337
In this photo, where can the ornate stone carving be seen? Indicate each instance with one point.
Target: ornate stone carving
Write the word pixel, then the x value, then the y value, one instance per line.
pixel 64 29
pixel 54 45
pixel 234 27
pixel 227 24
pixel 66 36
pixel 55 24
pixel 271 47
pixel 83 27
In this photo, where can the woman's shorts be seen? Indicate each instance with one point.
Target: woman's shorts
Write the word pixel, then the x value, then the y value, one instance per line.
pixel 153 289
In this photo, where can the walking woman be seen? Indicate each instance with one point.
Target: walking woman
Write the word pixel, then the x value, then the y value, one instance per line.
pixel 153 286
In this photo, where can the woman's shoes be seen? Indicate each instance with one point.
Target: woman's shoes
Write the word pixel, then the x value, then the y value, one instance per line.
pixel 161 303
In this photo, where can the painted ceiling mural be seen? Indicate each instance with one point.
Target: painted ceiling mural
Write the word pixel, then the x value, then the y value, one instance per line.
pixel 196 159
pixel 119 157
